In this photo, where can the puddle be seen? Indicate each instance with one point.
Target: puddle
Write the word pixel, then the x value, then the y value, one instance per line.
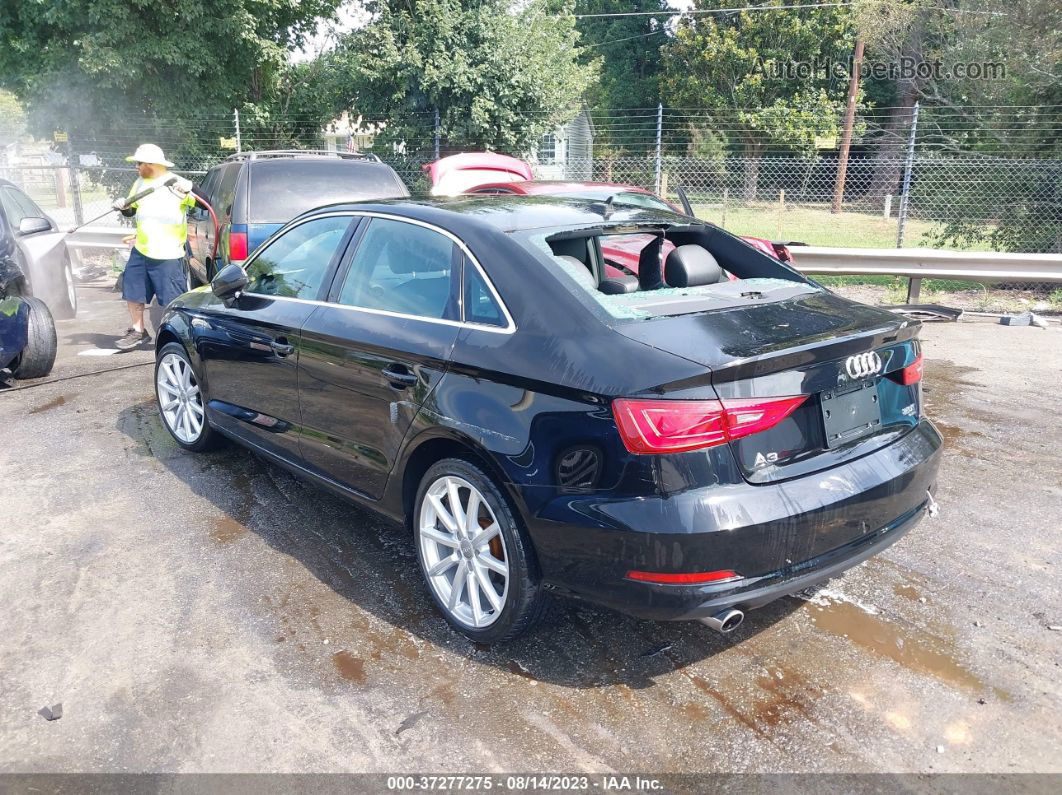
pixel 944 377
pixel 725 703
pixel 51 404
pixel 349 667
pixel 225 530
pixel 892 641
pixel 790 696
pixel 954 434
pixel 907 592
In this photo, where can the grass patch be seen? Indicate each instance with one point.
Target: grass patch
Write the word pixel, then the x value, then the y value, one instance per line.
pixel 815 226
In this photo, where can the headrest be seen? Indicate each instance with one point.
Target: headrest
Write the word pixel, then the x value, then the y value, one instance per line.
pixel 570 247
pixel 649 275
pixel 619 285
pixel 691 266
pixel 578 270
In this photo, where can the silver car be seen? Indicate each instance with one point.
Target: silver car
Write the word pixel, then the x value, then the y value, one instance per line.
pixel 37 246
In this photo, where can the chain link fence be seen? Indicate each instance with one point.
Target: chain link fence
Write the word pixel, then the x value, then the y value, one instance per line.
pixel 955 202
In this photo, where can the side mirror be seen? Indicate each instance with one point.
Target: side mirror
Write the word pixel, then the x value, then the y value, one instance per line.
pixel 33 225
pixel 228 282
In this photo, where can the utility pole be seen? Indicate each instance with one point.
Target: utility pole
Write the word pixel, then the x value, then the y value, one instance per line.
pixel 236 123
pixel 659 137
pixel 908 167
pixel 849 123
pixel 914 283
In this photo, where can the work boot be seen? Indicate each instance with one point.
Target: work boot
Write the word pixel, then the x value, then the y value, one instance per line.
pixel 132 339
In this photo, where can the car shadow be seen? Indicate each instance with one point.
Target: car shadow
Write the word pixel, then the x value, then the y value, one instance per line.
pixel 370 561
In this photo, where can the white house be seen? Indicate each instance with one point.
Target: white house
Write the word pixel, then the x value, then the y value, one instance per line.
pixel 567 152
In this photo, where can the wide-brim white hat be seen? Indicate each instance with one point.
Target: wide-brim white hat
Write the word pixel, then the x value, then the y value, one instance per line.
pixel 149 153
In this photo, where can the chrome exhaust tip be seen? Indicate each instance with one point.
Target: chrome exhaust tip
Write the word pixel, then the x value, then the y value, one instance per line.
pixel 726 621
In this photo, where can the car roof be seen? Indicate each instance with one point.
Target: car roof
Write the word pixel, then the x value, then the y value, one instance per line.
pixel 314 161
pixel 548 186
pixel 515 213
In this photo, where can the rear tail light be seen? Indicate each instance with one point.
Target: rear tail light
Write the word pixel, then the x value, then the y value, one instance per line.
pixel 676 426
pixel 684 578
pixel 237 246
pixel 911 374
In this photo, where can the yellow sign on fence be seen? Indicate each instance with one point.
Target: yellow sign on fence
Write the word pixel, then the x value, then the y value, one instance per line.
pixel 60 137
pixel 227 143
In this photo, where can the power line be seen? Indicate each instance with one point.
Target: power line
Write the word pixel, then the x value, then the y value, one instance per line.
pixel 693 12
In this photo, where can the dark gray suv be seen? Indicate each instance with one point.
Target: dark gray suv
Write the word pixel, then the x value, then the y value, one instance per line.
pixel 256 193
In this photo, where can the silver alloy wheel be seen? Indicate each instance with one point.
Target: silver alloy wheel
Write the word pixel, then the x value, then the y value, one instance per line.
pixel 180 400
pixel 463 550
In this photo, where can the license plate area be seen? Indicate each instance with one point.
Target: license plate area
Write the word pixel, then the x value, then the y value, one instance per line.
pixel 851 414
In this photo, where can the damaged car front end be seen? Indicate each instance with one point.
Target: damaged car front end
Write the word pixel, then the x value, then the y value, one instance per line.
pixel 27 331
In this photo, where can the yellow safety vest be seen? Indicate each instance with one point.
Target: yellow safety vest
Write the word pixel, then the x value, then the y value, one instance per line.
pixel 161 219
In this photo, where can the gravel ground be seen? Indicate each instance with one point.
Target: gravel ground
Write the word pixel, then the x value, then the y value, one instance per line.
pixel 212 614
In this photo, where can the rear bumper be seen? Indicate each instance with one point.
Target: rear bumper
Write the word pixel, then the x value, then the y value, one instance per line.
pixel 780 537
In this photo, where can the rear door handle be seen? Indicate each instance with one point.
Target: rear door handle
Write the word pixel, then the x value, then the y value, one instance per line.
pixel 281 347
pixel 399 376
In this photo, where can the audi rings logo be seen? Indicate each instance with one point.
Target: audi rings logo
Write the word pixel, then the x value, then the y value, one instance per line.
pixel 862 365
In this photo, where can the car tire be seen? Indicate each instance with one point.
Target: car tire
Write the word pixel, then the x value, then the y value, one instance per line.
pixel 492 551
pixel 38 357
pixel 193 277
pixel 65 305
pixel 182 404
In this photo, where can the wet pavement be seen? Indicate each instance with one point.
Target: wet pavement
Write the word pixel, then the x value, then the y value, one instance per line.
pixel 212 613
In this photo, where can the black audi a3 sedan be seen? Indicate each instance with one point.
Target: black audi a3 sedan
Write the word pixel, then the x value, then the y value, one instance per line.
pixel 688 443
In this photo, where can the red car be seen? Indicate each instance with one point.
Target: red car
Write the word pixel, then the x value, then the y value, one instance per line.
pixel 500 175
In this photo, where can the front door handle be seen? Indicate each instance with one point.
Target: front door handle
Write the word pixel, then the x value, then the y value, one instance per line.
pixel 399 376
pixel 281 347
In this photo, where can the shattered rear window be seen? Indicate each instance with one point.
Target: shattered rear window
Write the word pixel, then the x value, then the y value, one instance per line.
pixel 668 301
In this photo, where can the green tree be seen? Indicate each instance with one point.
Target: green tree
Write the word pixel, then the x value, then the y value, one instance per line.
pixel 628 50
pixel 12 120
pixel 732 66
pixel 499 75
pixel 116 72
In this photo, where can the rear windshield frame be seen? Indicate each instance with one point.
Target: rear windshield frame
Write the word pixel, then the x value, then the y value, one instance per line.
pixel 774 280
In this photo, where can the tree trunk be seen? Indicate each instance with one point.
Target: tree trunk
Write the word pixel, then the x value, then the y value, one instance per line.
pixel 887 153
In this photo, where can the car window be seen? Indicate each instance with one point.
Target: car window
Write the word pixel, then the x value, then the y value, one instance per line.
pixel 480 305
pixel 458 181
pixel 281 189
pixel 295 264
pixel 209 183
pixel 227 189
pixel 619 197
pixel 12 210
pixel 17 205
pixel 401 267
pixel 29 207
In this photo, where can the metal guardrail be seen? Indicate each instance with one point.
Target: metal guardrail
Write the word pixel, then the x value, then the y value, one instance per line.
pixel 929 263
pixel 911 262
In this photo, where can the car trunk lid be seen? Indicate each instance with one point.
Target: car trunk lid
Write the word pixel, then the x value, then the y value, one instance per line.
pixel 842 357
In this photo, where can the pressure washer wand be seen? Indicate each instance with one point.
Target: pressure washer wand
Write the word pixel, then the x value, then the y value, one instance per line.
pixel 134 198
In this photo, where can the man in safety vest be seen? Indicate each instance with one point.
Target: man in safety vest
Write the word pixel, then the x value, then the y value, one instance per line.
pixel 155 268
